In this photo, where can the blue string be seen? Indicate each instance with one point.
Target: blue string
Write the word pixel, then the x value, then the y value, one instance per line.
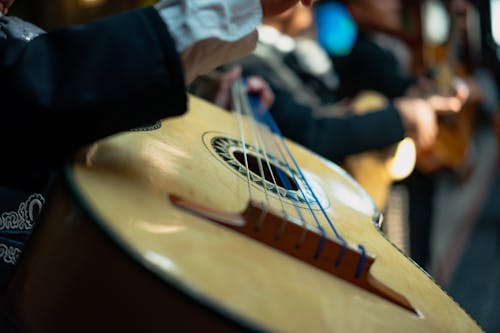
pixel 263 115
pixel 322 242
pixel 266 115
pixel 258 110
pixel 341 254
pixel 362 261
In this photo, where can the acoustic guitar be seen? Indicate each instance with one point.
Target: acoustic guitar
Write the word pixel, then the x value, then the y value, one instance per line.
pixel 376 170
pixel 191 225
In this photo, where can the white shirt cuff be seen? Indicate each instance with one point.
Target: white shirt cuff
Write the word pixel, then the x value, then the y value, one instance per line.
pixel 191 21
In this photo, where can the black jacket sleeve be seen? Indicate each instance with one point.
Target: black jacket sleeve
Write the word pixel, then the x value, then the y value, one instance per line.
pixel 335 137
pixel 70 87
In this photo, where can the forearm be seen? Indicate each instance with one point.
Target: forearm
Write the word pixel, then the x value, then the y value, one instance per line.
pixel 73 86
pixel 336 138
pixel 209 33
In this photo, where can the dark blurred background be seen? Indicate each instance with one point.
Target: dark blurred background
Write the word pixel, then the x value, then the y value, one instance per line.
pixel 53 14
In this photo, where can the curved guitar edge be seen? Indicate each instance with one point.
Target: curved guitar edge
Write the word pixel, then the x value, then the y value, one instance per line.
pixel 423 271
pixel 79 272
pixel 46 292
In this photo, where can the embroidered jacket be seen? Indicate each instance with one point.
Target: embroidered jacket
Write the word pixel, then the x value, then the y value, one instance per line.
pixel 19 209
pixel 67 88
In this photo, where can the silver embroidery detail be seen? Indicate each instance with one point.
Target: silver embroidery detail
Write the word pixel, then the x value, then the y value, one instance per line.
pixel 26 214
pixel 9 254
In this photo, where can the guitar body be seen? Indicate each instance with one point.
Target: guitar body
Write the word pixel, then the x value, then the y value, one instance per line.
pixel 451 149
pixel 377 170
pixel 113 252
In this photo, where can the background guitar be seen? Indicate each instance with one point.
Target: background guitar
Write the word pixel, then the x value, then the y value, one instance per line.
pixel 454 56
pixel 377 170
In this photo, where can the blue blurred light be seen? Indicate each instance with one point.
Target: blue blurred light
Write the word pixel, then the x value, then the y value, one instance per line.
pixel 336 28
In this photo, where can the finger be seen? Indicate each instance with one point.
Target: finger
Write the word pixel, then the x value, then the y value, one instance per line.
pixel 228 78
pixel 426 131
pixel 431 136
pixel 255 84
pixel 442 104
pixel 461 88
pixel 6 4
pixel 425 141
pixel 258 86
pixel 267 97
pixel 223 96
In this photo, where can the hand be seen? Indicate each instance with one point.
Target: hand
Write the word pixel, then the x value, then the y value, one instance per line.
pixel 5 5
pixel 208 54
pixel 461 89
pixel 476 91
pixel 223 96
pixel 419 120
pixel 276 7
pixel 254 85
pixel 445 105
pixel 257 86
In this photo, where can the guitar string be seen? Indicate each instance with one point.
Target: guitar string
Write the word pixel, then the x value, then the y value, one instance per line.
pixel 302 194
pixel 235 97
pixel 253 115
pixel 255 110
pixel 246 107
pixel 266 114
pixel 274 128
pixel 242 107
pixel 257 130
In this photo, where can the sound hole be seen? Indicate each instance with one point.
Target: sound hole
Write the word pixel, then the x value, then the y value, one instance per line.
pixel 280 176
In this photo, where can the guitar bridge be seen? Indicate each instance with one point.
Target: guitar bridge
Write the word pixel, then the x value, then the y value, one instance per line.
pixel 303 242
